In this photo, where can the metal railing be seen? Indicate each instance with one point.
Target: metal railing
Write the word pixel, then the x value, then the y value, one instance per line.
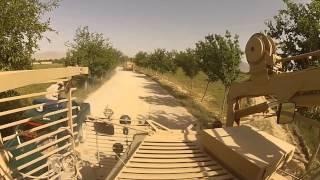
pixel 30 136
pixel 29 155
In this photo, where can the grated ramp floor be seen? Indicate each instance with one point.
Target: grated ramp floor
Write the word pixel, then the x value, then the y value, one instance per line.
pixel 96 150
pixel 168 155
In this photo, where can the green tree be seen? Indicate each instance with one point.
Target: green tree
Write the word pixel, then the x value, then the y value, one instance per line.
pixel 297 30
pixel 189 62
pixel 220 57
pixel 141 59
pixel 92 50
pixel 162 61
pixel 21 27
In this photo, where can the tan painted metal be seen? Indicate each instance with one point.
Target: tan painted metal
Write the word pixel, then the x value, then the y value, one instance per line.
pixel 128 66
pixel 298 87
pixel 97 148
pixel 16 79
pixel 246 151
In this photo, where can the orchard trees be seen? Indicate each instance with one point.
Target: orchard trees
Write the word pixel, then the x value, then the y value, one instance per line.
pixel 162 61
pixel 92 50
pixel 189 62
pixel 220 57
pixel 141 59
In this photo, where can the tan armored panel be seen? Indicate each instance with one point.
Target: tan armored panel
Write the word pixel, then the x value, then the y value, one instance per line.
pixel 249 153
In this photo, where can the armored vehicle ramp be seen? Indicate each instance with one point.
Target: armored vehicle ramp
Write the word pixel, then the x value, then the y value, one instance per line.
pixel 97 149
pixel 172 155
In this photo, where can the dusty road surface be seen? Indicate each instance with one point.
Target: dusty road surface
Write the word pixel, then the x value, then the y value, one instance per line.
pixel 139 97
pixel 132 94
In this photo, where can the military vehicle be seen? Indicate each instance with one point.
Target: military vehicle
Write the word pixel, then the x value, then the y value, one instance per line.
pixel 128 66
pixel 128 149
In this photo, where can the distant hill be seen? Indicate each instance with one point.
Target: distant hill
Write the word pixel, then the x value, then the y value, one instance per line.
pixel 244 66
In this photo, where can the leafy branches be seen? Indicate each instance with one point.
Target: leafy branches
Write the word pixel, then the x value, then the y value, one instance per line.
pixel 220 57
pixel 217 56
pixel 21 27
pixel 189 62
pixel 297 30
pixel 141 59
pixel 92 50
pixel 160 60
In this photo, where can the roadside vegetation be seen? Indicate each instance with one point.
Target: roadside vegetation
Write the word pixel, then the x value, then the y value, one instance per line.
pixel 47 66
pixel 22 26
pixel 199 78
pixel 92 50
pixel 179 86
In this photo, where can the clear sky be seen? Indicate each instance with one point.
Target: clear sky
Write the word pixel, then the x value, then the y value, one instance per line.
pixel 133 25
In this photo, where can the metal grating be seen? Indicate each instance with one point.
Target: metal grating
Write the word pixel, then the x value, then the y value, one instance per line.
pixel 168 155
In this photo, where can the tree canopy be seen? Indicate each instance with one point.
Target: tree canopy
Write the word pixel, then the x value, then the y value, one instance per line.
pixel 217 56
pixel 189 62
pixel 220 57
pixel 21 27
pixel 141 59
pixel 297 29
pixel 92 50
pixel 162 61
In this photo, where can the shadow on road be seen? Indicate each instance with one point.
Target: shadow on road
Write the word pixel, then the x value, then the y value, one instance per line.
pixel 151 85
pixel 155 88
pixel 161 100
pixel 160 97
pixel 170 120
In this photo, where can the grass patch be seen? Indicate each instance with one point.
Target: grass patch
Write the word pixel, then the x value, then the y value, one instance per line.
pixel 179 85
pixel 214 97
pixel 47 66
pixel 186 101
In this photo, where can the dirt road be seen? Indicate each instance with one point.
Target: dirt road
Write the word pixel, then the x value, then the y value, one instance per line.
pixel 139 97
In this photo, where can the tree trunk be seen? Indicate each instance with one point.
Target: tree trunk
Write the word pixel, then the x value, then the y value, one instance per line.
pixel 205 91
pixel 191 86
pixel 86 84
pixel 224 101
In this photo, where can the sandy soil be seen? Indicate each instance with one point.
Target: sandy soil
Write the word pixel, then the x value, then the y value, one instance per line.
pixel 139 97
